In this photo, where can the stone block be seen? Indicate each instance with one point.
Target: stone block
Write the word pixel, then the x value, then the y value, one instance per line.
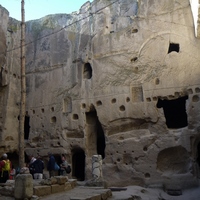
pixel 73 182
pixel 107 194
pixel 23 186
pixel 34 197
pixel 42 190
pixel 95 197
pixel 49 181
pixel 53 180
pixel 68 186
pixel 61 179
pixel 57 188
pixel 7 191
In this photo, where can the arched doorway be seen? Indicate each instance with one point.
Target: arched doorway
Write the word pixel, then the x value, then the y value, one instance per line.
pixel 78 163
pixel 95 134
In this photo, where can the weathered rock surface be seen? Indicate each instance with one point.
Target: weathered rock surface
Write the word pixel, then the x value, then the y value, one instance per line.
pixel 23 186
pixel 119 79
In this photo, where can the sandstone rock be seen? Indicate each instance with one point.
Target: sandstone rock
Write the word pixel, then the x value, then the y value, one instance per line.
pixel 57 188
pixel 113 80
pixel 41 190
pixel 7 191
pixel 23 186
pixel 61 179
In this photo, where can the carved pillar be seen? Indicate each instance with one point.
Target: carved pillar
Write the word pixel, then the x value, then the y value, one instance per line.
pixel 97 167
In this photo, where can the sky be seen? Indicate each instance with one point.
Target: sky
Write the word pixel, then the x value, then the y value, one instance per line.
pixel 35 9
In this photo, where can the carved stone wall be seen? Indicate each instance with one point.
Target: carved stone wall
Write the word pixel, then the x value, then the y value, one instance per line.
pixel 119 79
pixel 9 82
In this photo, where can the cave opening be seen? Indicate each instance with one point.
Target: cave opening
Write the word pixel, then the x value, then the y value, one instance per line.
pixel 87 71
pixel 95 132
pixel 174 112
pixel 78 163
pixel 100 139
pixel 198 154
pixel 173 47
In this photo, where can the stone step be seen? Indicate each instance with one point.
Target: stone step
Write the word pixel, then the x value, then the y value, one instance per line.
pixel 58 190
pixel 81 193
pixel 44 187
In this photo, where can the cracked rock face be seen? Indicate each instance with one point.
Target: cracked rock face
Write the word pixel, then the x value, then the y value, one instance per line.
pixel 120 80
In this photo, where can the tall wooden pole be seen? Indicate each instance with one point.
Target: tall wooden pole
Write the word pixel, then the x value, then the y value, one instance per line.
pixel 23 89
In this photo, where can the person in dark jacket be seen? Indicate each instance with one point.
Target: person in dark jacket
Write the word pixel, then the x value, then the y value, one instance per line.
pixel 30 165
pixel 38 167
pixel 51 165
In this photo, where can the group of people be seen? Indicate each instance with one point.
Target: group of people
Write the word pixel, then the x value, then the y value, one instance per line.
pixel 62 167
pixel 36 166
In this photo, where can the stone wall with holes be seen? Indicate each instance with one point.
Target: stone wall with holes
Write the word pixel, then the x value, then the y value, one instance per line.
pixel 9 82
pixel 126 72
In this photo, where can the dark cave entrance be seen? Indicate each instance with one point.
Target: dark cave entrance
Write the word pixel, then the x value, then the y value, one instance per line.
pixel 14 158
pixel 173 47
pixel 95 134
pixel 78 163
pixel 100 139
pixel 87 71
pixel 198 154
pixel 26 125
pixel 174 111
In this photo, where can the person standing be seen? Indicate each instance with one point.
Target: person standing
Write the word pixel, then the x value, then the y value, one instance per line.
pixel 38 167
pixel 51 165
pixel 1 173
pixel 12 173
pixel 31 166
pixel 63 166
pixel 6 168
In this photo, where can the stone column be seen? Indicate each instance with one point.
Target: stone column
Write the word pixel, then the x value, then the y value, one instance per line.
pixel 97 167
pixel 23 186
pixel 97 175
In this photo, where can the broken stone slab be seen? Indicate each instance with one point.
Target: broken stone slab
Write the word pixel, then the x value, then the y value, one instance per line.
pixel 61 179
pixel 96 183
pixel 88 197
pixel 68 186
pixel 42 190
pixel 7 191
pixel 34 197
pixel 49 181
pixel 107 194
pixel 23 186
pixel 57 188
pixel 91 193
pixel 104 193
pixel 73 182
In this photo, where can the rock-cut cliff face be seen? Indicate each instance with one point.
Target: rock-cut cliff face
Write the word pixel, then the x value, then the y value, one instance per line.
pixel 119 79
pixel 9 82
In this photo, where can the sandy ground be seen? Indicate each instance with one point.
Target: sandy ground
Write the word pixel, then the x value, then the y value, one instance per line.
pixel 134 193
pixel 131 193
pixel 140 193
